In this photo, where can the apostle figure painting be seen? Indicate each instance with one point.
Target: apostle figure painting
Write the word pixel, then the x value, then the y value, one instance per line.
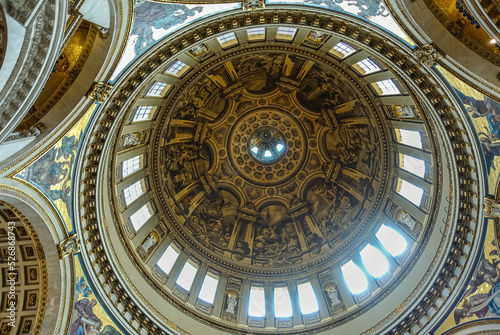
pixel 89 318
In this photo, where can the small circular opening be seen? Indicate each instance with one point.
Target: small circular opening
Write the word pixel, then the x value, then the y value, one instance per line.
pixel 267 144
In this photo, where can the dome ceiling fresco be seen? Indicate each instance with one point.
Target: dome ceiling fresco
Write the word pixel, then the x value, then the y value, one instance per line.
pixel 271 151
pixel 261 167
pixel 309 201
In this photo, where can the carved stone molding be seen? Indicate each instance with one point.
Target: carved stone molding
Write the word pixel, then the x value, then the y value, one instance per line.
pixel 39 52
pixel 23 11
pixel 32 132
pixel 457 31
pixel 3 35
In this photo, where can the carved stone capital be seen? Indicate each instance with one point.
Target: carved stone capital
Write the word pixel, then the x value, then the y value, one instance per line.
pixel 427 55
pixel 491 208
pixel 69 246
pixel 99 92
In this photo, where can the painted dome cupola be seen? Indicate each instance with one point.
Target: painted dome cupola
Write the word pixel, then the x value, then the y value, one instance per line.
pixel 279 171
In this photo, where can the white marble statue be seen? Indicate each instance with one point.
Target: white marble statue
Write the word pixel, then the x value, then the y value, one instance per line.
pixel 334 297
pixel 407 220
pixel 130 139
pixel 149 243
pixel 231 304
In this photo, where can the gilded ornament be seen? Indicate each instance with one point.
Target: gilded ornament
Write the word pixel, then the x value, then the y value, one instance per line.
pixel 100 92
pixel 491 208
pixel 69 246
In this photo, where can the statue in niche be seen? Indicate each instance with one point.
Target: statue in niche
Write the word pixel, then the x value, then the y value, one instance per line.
pixel 231 303
pixel 404 218
pixel 333 294
pixel 316 36
pixel 150 242
pixel 130 140
pixel 405 111
pixel 199 50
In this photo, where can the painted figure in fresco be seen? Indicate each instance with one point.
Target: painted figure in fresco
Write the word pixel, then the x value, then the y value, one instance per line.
pixel 87 327
pixel 481 305
pixel 53 168
pixel 367 8
pixel 68 147
pixel 490 139
pixel 491 147
pixel 486 108
pixel 275 235
pixel 149 15
pixel 85 317
pixel 486 272
pixel 213 220
pixel 81 287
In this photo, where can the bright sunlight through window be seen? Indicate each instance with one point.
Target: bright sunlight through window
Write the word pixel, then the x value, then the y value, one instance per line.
pixel 167 260
pixel 411 138
pixel 207 292
pixel 186 277
pixel 354 277
pixel 414 165
pixel 374 261
pixel 411 192
pixel 307 298
pixel 257 303
pixel 392 241
pixel 282 302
